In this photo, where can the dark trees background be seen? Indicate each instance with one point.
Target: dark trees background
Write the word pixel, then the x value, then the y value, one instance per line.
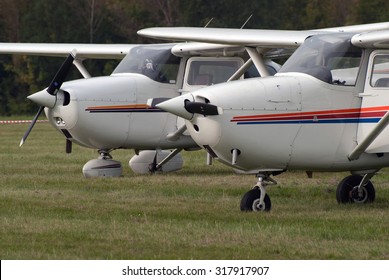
pixel 116 21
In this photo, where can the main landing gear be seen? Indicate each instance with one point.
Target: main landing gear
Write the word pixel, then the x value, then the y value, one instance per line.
pixel 257 199
pixel 356 189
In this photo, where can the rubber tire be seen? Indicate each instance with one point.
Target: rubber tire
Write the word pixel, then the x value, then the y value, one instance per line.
pixel 246 204
pixel 344 191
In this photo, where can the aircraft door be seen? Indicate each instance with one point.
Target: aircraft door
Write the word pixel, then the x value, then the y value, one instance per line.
pixel 375 101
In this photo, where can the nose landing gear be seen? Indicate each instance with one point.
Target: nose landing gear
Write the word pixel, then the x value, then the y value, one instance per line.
pixel 103 166
pixel 257 199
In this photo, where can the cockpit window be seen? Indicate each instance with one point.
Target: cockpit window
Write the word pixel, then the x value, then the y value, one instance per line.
pixel 212 71
pixel 154 61
pixel 330 58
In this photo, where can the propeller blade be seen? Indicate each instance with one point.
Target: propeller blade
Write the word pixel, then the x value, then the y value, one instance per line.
pixel 153 165
pixel 31 126
pixel 201 108
pixel 68 146
pixel 63 71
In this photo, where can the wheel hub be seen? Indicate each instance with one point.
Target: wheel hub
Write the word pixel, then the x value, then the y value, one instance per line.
pixel 258 206
pixel 358 195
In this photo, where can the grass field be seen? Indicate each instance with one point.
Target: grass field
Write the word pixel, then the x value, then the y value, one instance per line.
pixel 48 210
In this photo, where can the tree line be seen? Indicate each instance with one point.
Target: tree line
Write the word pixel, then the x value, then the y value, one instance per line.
pixel 116 21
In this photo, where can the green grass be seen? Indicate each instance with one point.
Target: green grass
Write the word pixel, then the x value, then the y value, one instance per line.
pixel 48 210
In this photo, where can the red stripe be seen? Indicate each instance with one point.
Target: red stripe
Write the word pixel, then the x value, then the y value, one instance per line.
pixel 341 113
pixel 119 107
pixel 21 121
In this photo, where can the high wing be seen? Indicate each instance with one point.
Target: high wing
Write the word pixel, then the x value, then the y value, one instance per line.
pixel 94 51
pixel 377 39
pixel 109 51
pixel 250 37
pixel 241 37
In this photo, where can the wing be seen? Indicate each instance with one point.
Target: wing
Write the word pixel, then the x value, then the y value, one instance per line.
pixel 96 51
pixel 228 36
pixel 377 39
pixel 250 37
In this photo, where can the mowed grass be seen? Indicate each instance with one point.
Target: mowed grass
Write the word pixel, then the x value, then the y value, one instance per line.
pixel 48 210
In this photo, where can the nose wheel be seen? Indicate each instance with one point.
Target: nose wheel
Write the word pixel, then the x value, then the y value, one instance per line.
pixel 257 200
pixel 103 166
pixel 251 201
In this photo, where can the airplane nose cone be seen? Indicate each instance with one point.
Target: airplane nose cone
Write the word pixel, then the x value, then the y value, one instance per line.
pixel 43 98
pixel 176 106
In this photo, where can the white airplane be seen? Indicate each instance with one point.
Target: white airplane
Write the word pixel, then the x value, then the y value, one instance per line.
pixel 327 109
pixel 111 112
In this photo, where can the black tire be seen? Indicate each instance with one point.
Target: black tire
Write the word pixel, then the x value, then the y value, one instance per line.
pixel 250 201
pixel 347 191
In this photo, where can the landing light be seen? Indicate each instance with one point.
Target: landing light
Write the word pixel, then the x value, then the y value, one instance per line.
pixel 59 121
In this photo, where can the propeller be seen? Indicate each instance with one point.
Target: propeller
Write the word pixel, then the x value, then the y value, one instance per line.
pixel 52 90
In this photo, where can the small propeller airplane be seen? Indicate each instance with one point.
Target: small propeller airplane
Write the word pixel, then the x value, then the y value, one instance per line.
pixel 111 112
pixel 327 108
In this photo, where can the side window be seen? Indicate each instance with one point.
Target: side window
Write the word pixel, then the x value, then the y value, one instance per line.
pixel 380 72
pixel 208 72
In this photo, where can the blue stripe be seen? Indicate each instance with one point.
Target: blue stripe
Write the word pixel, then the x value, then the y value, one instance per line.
pixel 356 120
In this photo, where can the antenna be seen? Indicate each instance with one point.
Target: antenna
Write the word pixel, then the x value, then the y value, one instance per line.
pixel 247 20
pixel 208 23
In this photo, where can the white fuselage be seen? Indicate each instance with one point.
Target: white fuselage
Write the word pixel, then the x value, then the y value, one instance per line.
pixel 291 121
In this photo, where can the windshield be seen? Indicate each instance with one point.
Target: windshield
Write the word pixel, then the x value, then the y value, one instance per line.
pixel 330 58
pixel 154 61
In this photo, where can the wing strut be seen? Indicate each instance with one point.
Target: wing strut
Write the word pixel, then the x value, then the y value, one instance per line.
pixel 241 70
pixel 257 57
pixel 80 66
pixel 175 135
pixel 365 143
pixel 167 158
